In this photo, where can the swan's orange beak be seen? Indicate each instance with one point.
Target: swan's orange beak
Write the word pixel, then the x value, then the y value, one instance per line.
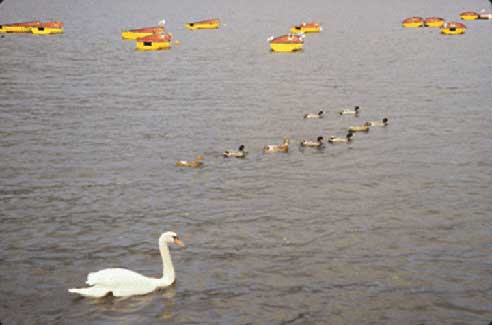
pixel 179 242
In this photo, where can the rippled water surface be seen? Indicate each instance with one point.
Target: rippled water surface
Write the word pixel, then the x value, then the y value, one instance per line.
pixel 394 228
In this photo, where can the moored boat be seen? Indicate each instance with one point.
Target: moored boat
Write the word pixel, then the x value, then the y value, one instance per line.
pixel 453 28
pixel 204 24
pixel 310 27
pixel 469 15
pixel 433 22
pixel 133 34
pixel 287 43
pixel 483 14
pixel 154 42
pixel 24 27
pixel 52 27
pixel 413 22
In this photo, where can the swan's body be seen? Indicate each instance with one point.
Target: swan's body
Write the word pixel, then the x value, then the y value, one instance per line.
pixel 354 111
pixel 240 153
pixel 284 147
pixel 384 122
pixel 192 164
pixel 347 139
pixel 317 115
pixel 359 128
pixel 316 144
pixel 124 283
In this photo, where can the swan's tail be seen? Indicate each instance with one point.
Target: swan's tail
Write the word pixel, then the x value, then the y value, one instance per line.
pixel 95 292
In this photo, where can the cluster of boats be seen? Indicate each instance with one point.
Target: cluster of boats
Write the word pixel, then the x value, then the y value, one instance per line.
pixel 33 27
pixel 447 28
pixel 284 146
pixel 156 38
pixel 294 41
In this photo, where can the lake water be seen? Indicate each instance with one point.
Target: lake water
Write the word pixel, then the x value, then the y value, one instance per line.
pixel 394 228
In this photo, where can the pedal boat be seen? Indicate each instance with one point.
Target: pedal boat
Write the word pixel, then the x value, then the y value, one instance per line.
pixel 310 27
pixel 133 34
pixel 413 22
pixel 433 22
pixel 204 24
pixel 52 27
pixel 25 27
pixel 469 15
pixel 154 42
pixel 287 43
pixel 483 14
pixel 453 28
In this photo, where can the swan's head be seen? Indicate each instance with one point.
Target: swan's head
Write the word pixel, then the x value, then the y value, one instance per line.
pixel 170 237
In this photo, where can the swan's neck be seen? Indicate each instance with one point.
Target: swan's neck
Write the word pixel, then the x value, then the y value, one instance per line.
pixel 168 276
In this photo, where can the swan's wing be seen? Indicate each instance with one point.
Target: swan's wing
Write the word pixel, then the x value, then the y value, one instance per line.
pixel 114 278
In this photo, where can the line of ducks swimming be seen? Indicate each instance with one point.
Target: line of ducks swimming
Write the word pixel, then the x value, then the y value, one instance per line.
pixel 284 147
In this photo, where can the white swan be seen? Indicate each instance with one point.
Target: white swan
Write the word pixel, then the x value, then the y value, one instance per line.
pixel 124 283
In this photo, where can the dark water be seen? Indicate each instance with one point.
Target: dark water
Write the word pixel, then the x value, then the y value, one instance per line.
pixel 394 228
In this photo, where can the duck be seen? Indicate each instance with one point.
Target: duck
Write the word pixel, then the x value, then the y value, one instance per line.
pixel 383 122
pixel 314 115
pixel 360 128
pixel 284 147
pixel 316 144
pixel 347 139
pixel 240 153
pixel 124 283
pixel 354 111
pixel 198 162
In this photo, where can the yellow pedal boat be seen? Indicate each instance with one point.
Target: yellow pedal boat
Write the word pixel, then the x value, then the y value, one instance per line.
pixel 433 22
pixel 413 22
pixel 52 27
pixel 204 24
pixel 469 15
pixel 133 34
pixel 25 27
pixel 154 42
pixel 453 28
pixel 287 43
pixel 310 27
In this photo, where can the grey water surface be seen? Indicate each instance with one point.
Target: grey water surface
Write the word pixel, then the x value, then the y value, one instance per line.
pixel 394 228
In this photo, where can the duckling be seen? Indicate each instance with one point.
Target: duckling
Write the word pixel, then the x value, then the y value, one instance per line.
pixel 384 122
pixel 347 139
pixel 240 153
pixel 192 164
pixel 313 115
pixel 355 111
pixel 284 147
pixel 316 144
pixel 360 128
